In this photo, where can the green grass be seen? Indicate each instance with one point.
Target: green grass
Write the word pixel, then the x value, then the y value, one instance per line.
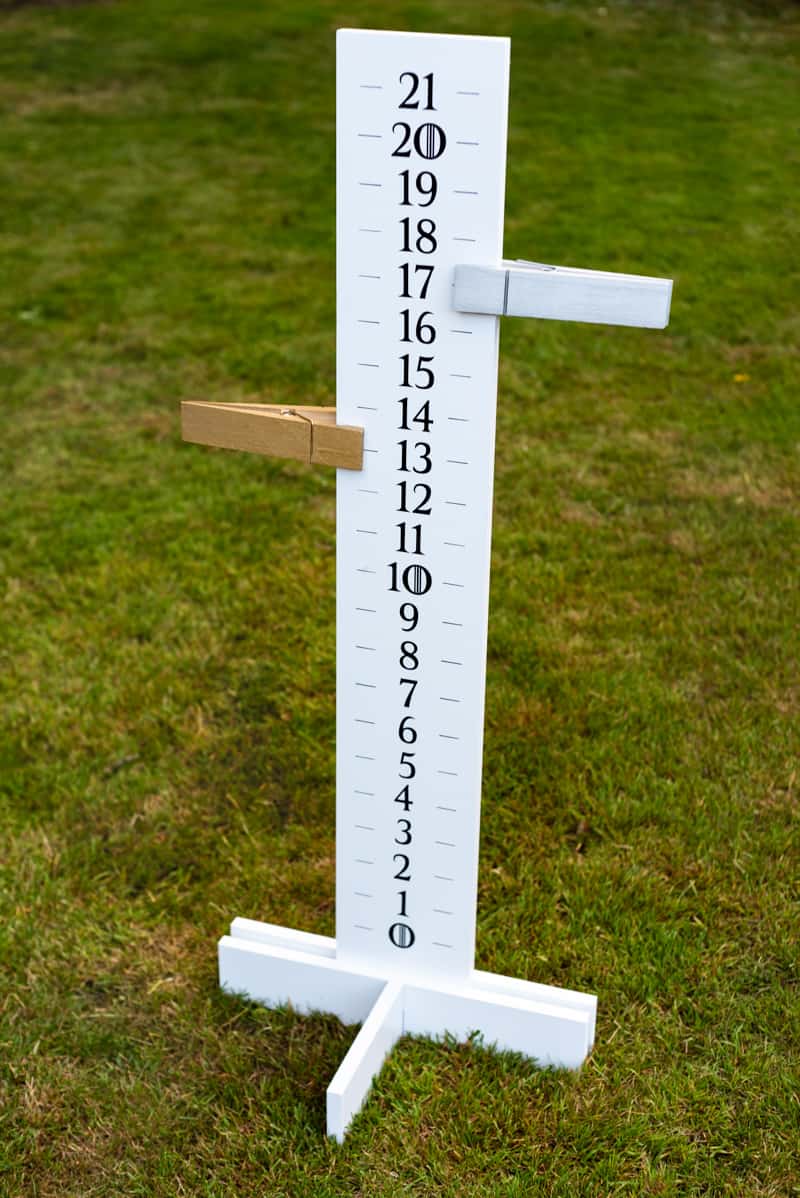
pixel 166 612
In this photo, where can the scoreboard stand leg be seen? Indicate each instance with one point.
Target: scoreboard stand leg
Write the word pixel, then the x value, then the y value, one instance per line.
pixel 276 966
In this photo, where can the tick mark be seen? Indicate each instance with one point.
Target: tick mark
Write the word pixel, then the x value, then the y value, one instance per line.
pixel 456 462
pixel 459 419
pixel 369 648
pixel 363 757
pixel 368 276
pixel 460 376
pixel 446 844
pixel 364 570
pixel 447 736
pixel 458 143
pixel 378 87
pixel 439 807
pixel 363 861
pixel 437 943
pixel 369 793
pixel 369 609
pixel 437 910
pixel 460 585
pixel 464 332
pixel 364 827
pixel 363 407
pixel 457 191
pixel 453 623
pixel 362 926
pixel 468 93
pixel 358 721
pixel 369 686
pixel 454 503
pixel 454 545
pixel 366 491
pixel 444 660
pixel 442 878
pixel 377 136
pixel 472 240
pixel 381 185
pixel 363 894
pixel 448 773
pixel 363 320
pixel 368 532
pixel 374 365
pixel 363 230
pixel 445 699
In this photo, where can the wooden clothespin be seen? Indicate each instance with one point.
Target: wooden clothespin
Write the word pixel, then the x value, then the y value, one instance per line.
pixel 306 434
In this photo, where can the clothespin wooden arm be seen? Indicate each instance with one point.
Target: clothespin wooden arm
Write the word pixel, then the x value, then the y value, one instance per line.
pixel 519 288
pixel 307 434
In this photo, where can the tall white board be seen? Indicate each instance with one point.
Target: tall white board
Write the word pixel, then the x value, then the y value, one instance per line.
pixel 421 144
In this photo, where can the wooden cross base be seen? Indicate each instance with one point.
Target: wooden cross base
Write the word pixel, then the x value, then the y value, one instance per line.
pixel 276 966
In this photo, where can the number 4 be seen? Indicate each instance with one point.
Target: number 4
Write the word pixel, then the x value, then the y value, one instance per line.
pixel 403 797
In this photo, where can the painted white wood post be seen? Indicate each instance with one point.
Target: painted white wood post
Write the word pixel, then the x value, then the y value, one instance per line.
pixel 421 137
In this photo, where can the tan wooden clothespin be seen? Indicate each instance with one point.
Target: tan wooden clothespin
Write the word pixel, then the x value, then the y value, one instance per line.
pixel 306 434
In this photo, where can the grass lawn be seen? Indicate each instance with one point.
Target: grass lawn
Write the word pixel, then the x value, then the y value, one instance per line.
pixel 166 612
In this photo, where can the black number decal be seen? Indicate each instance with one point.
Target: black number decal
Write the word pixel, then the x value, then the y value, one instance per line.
pixel 416 580
pixel 425 240
pixel 422 331
pixel 430 141
pixel 404 798
pixel 407 838
pixel 401 935
pixel 410 543
pixel 422 372
pixel 425 185
pixel 408 655
pixel 406 762
pixel 419 268
pixel 419 235
pixel 402 875
pixel 410 614
pixel 421 417
pixel 400 151
pixel 423 507
pixel 424 465
pixel 409 101
pixel 406 731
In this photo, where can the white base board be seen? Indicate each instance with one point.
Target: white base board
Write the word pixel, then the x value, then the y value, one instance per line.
pixel 276 966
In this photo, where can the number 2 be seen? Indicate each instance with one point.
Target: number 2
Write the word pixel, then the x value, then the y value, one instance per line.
pixel 402 875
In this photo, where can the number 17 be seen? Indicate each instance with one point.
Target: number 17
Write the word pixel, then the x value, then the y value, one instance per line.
pixel 426 270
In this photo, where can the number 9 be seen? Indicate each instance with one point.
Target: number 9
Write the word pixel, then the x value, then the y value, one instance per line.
pixel 410 613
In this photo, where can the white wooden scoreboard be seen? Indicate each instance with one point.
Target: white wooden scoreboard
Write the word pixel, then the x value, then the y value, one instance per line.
pixel 421 284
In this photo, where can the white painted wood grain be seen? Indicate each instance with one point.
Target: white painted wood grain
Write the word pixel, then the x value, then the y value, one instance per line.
pixel 562 293
pixel 471 95
pixel 352 1081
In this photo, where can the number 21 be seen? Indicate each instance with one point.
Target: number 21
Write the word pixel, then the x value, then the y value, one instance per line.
pixel 409 101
